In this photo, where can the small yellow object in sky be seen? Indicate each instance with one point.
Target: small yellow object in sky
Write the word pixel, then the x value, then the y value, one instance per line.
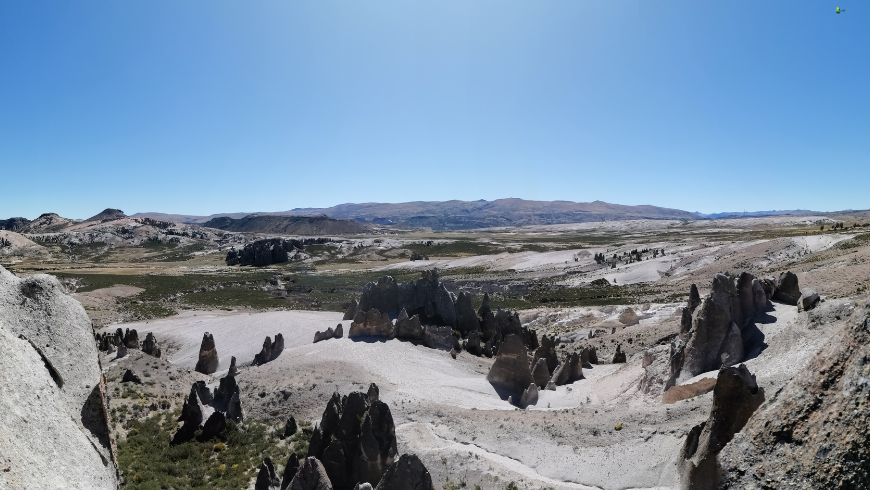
pixel 840 10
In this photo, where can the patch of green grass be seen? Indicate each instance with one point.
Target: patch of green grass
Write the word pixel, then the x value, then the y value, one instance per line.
pixel 859 241
pixel 148 460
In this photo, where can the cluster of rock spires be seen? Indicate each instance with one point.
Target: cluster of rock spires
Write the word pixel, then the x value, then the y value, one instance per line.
pixel 271 350
pixel 735 398
pixel 353 448
pixel 517 378
pixel 719 330
pixel 122 340
pixel 210 410
pixel 337 333
pixel 425 312
pixel 264 252
pixel 53 409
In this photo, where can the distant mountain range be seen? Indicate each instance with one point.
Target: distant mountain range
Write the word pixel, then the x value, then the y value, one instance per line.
pixel 287 225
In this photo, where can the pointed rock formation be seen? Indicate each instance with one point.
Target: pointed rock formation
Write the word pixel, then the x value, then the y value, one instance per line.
pixel 691 305
pixel 208 356
pixel 271 350
pixel 371 323
pixel 619 356
pixel 150 346
pixel 290 471
pixel 540 373
pixel 569 371
pixel 408 473
pixel 735 398
pixel 131 377
pixel 350 311
pixel 529 396
pixel 312 476
pixel 267 479
pixel 339 331
pixel 131 339
pixel 409 328
pixel 547 351
pixel 466 316
pixel 787 289
pixel 233 369
pixel 290 427
pixel 510 374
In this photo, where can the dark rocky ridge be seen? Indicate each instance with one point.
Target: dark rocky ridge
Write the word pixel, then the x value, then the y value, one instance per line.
pixel 13 224
pixel 108 214
pixel 289 225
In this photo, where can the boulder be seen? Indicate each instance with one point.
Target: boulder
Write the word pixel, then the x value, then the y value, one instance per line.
pixel 619 356
pixel 787 289
pixel 350 310
pixel 371 323
pixel 736 397
pixel 439 338
pixel 571 370
pixel 208 356
pixel 809 299
pixel 131 377
pixel 540 373
pixel 408 473
pixel 339 331
pixel 510 373
pixel 769 286
pixel 551 385
pixel 759 296
pixel 290 470
pixel 311 476
pixel 150 346
pixel 409 328
pixel 529 396
pixel 267 478
pixel 593 356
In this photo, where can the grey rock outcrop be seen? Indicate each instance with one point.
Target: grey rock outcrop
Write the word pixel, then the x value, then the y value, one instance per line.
pixel 339 331
pixel 691 305
pixel 529 396
pixel 510 374
pixel 234 408
pixel 290 470
pixel 213 426
pixel 270 351
pixel 812 433
pixel 233 369
pixel 787 289
pixel 439 338
pixel 809 299
pixel 150 346
pixel 263 252
pixel 311 476
pixel 208 356
pixel 290 427
pixel 718 335
pixel 371 323
pixel 547 351
pixel 355 441
pixel 736 397
pixel 540 373
pixel 619 356
pixel 569 371
pixel 321 336
pixel 53 413
pixel 473 345
pixel 267 478
pixel 374 394
pixel 350 311
pixel 122 351
pixel 409 328
pixel 131 339
pixel 467 320
pixel 408 473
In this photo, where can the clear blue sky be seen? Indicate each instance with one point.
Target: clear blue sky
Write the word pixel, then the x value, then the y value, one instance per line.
pixel 200 107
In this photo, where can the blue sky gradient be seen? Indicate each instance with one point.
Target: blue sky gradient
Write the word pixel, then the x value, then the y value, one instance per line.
pixel 200 107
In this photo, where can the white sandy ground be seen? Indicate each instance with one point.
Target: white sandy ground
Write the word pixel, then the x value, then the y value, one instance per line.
pixel 447 412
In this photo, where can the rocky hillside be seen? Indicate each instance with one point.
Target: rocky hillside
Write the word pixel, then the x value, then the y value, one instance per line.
pixel 52 392
pixel 107 214
pixel 46 223
pixel 287 225
pixel 13 224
